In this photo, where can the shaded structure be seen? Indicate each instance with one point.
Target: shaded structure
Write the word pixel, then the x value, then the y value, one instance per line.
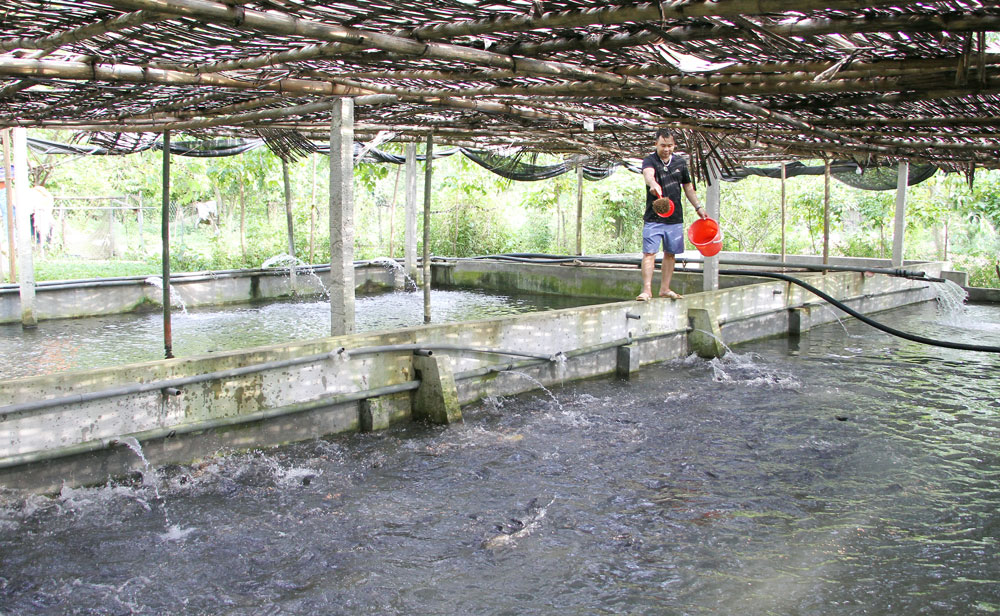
pixel 876 81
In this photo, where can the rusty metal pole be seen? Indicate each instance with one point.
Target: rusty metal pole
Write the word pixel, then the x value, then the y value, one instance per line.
pixel 826 213
pixel 168 342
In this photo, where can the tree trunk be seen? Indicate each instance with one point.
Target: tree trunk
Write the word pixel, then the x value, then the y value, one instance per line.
pixel 312 209
pixel 243 219
pixel 288 207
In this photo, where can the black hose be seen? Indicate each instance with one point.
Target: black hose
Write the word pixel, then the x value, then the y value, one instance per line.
pixel 857 315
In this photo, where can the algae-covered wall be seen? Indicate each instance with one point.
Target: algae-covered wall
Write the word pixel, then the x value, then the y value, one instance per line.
pixel 658 328
pixel 72 299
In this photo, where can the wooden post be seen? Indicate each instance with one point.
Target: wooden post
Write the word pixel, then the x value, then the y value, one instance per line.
pixel 826 212
pixel 312 208
pixel 784 176
pixel 25 242
pixel 713 207
pixel 288 207
pixel 392 214
pixel 428 166
pixel 342 217
pixel 899 223
pixel 168 342
pixel 288 222
pixel 9 192
pixel 410 239
pixel 579 209
pixel 243 220
pixel 112 245
pixel 139 217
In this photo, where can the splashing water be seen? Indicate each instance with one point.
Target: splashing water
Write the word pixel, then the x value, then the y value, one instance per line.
pixel 282 261
pixel 175 297
pixel 295 265
pixel 720 340
pixel 749 369
pixel 539 384
pixel 409 284
pixel 951 302
pixel 174 531
pixel 559 361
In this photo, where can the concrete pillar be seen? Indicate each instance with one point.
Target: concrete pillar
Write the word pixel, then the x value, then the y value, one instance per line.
pixel 410 239
pixel 799 320
pixel 9 202
pixel 705 337
pixel 713 206
pixel 436 400
pixel 342 217
pixel 899 223
pixel 426 261
pixel 628 361
pixel 24 204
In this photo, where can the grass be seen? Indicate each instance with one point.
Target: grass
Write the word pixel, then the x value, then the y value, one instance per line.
pixel 76 269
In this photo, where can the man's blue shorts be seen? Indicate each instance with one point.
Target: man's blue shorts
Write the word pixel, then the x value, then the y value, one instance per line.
pixel 655 234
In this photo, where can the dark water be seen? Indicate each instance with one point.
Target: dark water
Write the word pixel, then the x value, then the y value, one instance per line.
pixel 853 473
pixel 73 344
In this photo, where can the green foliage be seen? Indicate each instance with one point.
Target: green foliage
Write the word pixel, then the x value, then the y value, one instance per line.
pixel 477 212
pixel 73 269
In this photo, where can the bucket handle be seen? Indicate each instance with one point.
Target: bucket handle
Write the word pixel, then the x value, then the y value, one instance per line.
pixel 717 238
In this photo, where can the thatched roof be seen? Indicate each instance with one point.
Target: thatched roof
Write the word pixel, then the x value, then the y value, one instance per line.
pixel 742 79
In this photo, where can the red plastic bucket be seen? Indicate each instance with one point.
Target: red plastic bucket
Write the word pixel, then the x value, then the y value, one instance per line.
pixel 706 235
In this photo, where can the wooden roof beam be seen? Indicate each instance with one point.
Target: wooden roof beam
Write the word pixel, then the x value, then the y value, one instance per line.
pixel 654 12
pixel 269 22
pixel 801 29
pixel 75 35
pixel 82 71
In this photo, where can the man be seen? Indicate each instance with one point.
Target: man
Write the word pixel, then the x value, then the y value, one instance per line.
pixel 666 175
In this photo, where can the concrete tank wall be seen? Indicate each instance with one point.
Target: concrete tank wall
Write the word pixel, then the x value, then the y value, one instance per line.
pixel 72 299
pixel 193 423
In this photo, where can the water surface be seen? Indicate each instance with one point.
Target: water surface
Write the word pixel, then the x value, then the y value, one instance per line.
pixel 92 342
pixel 848 473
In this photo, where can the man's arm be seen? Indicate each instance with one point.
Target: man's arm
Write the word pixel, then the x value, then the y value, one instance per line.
pixel 693 198
pixel 649 174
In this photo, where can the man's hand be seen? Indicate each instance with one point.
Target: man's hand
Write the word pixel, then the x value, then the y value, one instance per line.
pixel 656 190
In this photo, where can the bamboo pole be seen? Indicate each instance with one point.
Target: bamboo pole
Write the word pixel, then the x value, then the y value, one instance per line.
pixel 798 29
pixel 734 73
pixel 17 67
pixel 216 12
pixel 81 33
pixel 629 13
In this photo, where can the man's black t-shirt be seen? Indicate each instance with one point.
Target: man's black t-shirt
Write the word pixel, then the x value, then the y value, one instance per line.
pixel 671 177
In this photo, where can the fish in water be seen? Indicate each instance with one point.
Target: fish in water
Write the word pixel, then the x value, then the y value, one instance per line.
pixel 517 528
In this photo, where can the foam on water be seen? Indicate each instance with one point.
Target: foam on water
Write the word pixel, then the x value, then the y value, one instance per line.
pixel 751 370
pixel 175 297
